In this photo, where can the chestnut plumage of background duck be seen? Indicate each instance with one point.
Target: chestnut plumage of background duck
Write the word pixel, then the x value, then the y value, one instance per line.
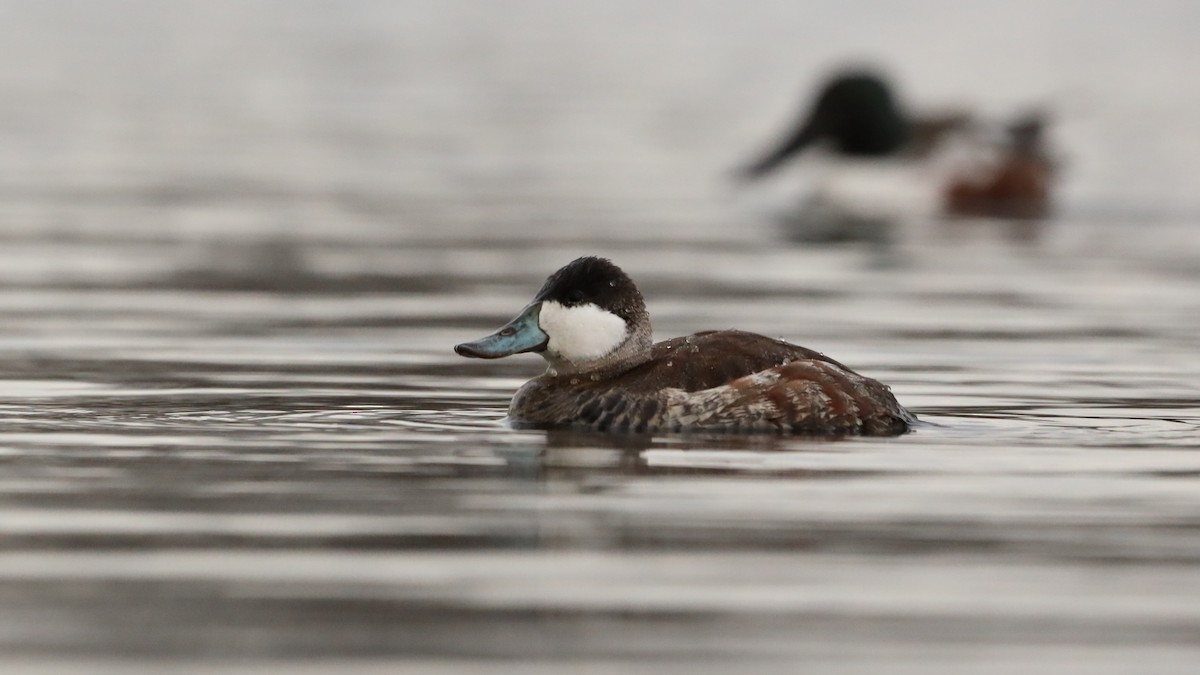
pixel 590 324
pixel 1015 184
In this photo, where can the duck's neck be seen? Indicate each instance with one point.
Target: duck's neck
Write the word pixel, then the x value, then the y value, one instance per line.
pixel 635 350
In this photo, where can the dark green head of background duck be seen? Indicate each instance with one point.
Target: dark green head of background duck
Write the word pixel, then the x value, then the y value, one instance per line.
pixel 856 114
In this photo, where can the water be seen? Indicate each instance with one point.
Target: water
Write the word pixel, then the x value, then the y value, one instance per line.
pixel 240 242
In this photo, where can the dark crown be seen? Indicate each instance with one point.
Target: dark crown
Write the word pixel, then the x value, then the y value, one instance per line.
pixel 598 281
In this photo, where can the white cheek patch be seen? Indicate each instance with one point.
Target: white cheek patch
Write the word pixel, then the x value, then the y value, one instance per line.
pixel 581 333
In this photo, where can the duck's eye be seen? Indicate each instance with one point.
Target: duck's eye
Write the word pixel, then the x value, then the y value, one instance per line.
pixel 575 296
pixel 507 331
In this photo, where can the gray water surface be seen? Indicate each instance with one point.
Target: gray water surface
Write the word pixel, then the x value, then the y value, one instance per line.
pixel 224 474
pixel 234 435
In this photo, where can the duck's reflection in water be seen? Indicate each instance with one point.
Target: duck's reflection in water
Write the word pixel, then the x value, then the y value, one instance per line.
pixel 568 454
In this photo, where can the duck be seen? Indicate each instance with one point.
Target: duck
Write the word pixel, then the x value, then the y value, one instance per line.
pixel 604 372
pixel 877 161
pixel 888 165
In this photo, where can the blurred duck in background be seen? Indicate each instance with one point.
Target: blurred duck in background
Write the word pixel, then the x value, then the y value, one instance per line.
pixel 889 165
